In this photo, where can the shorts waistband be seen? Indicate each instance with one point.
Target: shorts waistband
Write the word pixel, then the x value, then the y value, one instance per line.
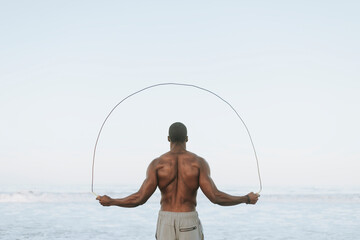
pixel 178 214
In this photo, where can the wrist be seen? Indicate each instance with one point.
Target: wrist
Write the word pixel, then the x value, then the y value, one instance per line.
pixel 247 199
pixel 112 201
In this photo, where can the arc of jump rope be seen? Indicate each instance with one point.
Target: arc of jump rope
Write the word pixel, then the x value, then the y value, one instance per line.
pixel 175 84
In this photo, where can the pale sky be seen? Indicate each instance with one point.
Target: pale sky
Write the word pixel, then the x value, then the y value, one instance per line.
pixel 290 69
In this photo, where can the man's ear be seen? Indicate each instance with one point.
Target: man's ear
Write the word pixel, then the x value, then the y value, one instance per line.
pixel 186 139
pixel 169 139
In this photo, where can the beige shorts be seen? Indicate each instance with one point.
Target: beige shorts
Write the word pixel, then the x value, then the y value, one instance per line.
pixel 179 226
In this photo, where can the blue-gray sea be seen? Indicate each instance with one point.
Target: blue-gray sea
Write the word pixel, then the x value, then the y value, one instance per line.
pixel 51 212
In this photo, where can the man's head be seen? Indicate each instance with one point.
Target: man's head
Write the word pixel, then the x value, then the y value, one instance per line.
pixel 177 133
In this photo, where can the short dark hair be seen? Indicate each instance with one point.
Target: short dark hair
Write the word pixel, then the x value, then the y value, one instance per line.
pixel 177 132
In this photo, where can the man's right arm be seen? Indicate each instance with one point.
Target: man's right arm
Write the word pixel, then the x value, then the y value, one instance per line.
pixel 146 190
pixel 210 190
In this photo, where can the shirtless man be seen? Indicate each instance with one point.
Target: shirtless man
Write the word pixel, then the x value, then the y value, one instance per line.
pixel 178 174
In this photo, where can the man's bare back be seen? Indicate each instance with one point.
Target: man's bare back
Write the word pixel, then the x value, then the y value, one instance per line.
pixel 178 179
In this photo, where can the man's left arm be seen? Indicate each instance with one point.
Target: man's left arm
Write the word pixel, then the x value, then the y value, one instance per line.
pixel 140 197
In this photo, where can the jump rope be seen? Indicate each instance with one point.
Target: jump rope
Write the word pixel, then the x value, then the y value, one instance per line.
pixel 174 84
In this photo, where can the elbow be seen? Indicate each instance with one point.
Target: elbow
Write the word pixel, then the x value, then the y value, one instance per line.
pixel 216 199
pixel 139 200
pixel 220 202
pixel 220 199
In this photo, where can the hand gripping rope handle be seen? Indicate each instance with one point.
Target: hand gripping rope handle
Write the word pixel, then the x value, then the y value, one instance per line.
pixel 175 84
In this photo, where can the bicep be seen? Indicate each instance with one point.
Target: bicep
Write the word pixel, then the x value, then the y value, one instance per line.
pixel 150 183
pixel 206 183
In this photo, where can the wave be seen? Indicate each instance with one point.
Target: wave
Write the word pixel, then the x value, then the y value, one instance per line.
pixel 74 197
pixel 329 198
pixel 30 196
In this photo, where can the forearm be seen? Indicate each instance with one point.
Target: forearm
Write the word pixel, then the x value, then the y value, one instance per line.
pixel 131 201
pixel 225 199
pixel 210 190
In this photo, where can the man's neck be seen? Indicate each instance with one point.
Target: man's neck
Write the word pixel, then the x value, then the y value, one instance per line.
pixel 177 147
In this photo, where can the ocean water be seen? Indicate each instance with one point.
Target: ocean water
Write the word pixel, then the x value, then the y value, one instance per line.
pixel 72 213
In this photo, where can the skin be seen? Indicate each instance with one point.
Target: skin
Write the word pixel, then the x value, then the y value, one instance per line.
pixel 178 174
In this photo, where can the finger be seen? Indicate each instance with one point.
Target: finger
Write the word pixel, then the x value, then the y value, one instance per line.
pixel 98 198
